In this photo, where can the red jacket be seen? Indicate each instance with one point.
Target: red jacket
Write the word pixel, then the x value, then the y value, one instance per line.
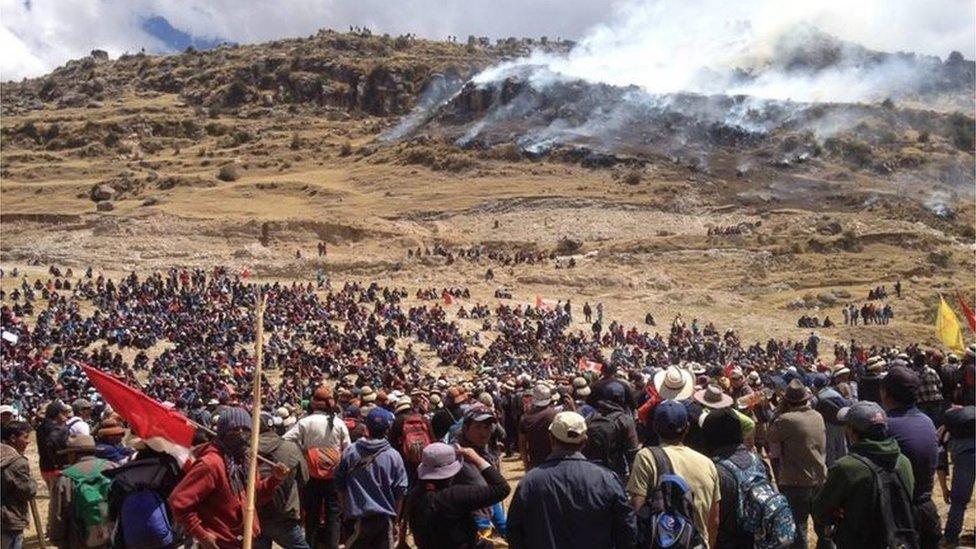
pixel 205 505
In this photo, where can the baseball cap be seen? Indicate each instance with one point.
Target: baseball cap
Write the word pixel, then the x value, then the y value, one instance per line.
pixel 541 395
pixel 378 421
pixel 670 419
pixel 568 427
pixel 478 412
pixel 863 416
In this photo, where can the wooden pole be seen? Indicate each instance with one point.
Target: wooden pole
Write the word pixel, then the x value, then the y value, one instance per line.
pixel 37 524
pixel 252 466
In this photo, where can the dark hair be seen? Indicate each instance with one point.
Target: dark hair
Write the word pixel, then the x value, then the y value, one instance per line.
pixel 13 429
pixel 876 433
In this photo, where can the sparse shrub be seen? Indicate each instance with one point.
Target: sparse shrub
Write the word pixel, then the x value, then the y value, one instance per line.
pixel 961 130
pixel 923 136
pixel 296 142
pixel 228 172
pixel 633 176
pixel 345 149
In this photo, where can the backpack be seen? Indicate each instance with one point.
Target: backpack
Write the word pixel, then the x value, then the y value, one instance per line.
pixel 894 505
pixel 90 498
pixel 416 437
pixel 144 519
pixel 666 520
pixel 760 509
pixel 603 442
pixel 322 460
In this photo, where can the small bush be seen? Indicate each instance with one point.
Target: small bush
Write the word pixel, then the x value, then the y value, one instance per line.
pixel 633 176
pixel 345 149
pixel 228 172
pixel 961 130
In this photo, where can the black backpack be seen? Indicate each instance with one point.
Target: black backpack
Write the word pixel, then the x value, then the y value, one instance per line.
pixel 666 520
pixel 604 434
pixel 894 506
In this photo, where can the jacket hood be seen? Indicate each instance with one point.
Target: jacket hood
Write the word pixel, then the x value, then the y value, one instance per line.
pixel 8 454
pixel 882 452
pixel 268 442
pixel 371 445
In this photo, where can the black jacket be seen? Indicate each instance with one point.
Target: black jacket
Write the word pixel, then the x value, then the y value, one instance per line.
pixel 440 517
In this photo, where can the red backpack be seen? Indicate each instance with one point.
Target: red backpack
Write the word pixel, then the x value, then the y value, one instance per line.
pixel 416 437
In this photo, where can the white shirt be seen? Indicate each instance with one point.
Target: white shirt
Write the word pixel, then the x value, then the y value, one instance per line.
pixel 313 432
pixel 78 427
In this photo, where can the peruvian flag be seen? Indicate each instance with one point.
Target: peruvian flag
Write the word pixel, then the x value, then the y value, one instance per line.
pixel 447 297
pixel 968 313
pixel 162 429
pixel 539 303
pixel 590 366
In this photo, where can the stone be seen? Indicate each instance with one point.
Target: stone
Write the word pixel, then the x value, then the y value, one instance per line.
pixel 100 193
pixel 105 206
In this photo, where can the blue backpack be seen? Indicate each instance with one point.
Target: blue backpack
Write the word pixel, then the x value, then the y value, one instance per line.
pixel 137 500
pixel 666 520
pixel 760 509
pixel 145 522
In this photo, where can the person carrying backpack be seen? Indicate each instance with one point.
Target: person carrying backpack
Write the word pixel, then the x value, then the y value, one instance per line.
pixel 372 482
pixel 137 500
pixel 51 437
pixel 78 510
pixel 867 498
pixel 410 433
pixel 322 437
pixel 281 519
pixel 611 437
pixel 674 489
pixel 752 513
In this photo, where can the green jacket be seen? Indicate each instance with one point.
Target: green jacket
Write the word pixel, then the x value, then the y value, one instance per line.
pixel 847 498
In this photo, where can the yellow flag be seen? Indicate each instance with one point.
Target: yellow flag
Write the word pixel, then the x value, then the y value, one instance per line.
pixel 947 327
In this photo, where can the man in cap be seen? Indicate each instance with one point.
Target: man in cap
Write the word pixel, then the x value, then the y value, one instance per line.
pixel 51 434
pixel 446 417
pixel 65 528
pixel 478 430
pixel 916 437
pixel 612 433
pixel 371 481
pixel 281 518
pixel 18 486
pixel 567 501
pixel 322 437
pixel 671 424
pixel 7 414
pixel 209 502
pixel 581 391
pixel 869 386
pixel 419 430
pixel 798 437
pixel 80 424
pixel 847 501
pixel 534 441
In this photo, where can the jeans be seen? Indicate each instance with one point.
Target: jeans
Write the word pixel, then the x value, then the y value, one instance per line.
pixel 321 493
pixel 11 540
pixel 928 524
pixel 372 532
pixel 963 476
pixel 800 499
pixel 288 535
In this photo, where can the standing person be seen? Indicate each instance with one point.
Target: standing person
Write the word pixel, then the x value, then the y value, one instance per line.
pixel 569 502
pixel 281 518
pixel 77 512
pixel 476 432
pixel 916 437
pixel 80 423
pixel 930 400
pixel 371 481
pixel 960 425
pixel 16 484
pixel 612 434
pixel 322 437
pixel 50 435
pixel 209 502
pixel 800 435
pixel 869 386
pixel 829 402
pixel 671 425
pixel 445 418
pixel 410 434
pixel 848 503
pixel 534 428
pixel 439 510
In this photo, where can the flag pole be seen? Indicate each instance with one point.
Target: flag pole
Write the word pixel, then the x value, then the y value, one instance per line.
pixel 37 524
pixel 255 423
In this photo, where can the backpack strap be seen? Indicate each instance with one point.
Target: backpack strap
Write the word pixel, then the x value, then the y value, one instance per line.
pixel 662 463
pixel 365 461
pixel 882 499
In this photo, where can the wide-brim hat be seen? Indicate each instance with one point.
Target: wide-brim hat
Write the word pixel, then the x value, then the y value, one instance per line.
pixel 840 370
pixel 79 444
pixel 439 462
pixel 674 383
pixel 713 397
pixel 796 392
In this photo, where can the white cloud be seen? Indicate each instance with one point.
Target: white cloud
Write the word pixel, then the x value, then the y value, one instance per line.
pixel 50 32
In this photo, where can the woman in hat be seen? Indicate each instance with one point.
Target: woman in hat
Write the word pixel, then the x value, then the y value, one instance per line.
pixel 440 511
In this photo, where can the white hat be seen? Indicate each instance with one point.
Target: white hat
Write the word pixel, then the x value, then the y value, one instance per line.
pixel 541 395
pixel 674 383
pixel 568 427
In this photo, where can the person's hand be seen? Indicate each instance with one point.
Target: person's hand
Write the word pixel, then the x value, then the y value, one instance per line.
pixel 472 457
pixel 208 542
pixel 280 471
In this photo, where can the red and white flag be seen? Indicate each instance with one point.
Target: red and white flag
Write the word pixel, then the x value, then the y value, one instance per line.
pixel 162 429
pixel 448 299
pixel 590 366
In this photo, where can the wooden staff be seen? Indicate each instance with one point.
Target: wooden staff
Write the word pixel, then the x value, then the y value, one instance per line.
pixel 252 465
pixel 37 524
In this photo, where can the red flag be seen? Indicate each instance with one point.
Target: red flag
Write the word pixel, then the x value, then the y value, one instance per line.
pixel 969 314
pixel 539 303
pixel 590 366
pixel 162 429
pixel 447 298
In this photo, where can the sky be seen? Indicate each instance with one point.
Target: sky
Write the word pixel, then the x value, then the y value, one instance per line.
pixel 38 35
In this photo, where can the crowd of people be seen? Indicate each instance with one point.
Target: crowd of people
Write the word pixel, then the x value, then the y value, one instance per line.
pixel 869 313
pixel 629 438
pixel 481 254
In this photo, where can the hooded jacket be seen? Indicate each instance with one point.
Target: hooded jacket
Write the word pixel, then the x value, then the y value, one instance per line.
pixel 847 499
pixel 205 504
pixel 17 487
pixel 285 506
pixel 373 477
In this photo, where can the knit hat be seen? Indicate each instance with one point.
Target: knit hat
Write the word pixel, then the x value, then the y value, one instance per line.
pixel 233 418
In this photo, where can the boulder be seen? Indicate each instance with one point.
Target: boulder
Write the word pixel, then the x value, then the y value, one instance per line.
pixel 568 246
pixel 100 193
pixel 105 206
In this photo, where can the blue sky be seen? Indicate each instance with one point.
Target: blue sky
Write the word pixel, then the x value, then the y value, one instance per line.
pixel 39 35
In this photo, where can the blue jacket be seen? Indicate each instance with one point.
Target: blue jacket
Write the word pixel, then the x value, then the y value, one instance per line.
pixel 371 488
pixel 568 502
